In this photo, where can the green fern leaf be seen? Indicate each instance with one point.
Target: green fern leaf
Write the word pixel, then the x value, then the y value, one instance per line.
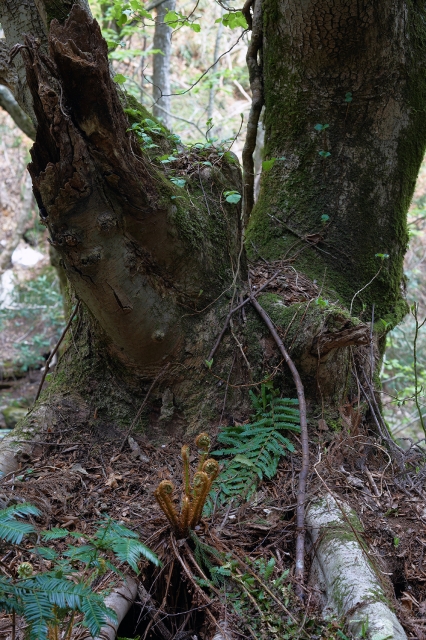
pixel 96 614
pixel 256 447
pixel 130 550
pixel 13 531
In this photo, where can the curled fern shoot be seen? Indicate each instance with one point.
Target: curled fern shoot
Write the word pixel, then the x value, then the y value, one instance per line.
pixel 193 500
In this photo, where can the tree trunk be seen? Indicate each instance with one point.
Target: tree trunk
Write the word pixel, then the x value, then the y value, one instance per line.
pixel 161 88
pixel 340 194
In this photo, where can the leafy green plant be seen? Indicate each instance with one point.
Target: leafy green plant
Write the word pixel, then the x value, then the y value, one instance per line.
pixel 233 197
pixel 268 164
pixel 50 600
pixel 233 20
pixel 256 447
pixel 176 19
pixel 321 127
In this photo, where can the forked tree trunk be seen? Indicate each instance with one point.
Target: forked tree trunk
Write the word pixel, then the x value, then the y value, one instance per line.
pixel 157 266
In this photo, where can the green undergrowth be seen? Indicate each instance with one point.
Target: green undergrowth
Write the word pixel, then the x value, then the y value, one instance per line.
pixel 256 448
pixel 260 595
pixel 49 600
pixel 37 307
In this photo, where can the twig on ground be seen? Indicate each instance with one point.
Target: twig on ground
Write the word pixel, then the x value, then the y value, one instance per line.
pixel 301 493
pixel 226 390
pixel 58 344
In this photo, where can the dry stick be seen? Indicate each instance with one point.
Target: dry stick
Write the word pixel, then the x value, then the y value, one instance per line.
pixel 148 393
pixel 256 85
pixel 58 344
pixel 301 493
pixel 230 314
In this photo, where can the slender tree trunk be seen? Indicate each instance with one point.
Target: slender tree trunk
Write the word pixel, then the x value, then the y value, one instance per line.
pixel 161 89
pixel 212 91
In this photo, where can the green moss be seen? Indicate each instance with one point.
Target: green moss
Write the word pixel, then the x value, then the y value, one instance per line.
pixel 365 216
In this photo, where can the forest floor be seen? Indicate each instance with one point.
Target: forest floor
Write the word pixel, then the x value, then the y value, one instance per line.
pixel 76 477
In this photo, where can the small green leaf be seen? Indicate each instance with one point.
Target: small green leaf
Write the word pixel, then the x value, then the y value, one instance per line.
pixel 383 256
pixel 232 196
pixel 268 164
pixel 195 27
pixel 324 154
pixel 348 97
pixel 179 182
pixel 233 20
pixel 208 363
pixel 321 127
pixel 325 218
pixel 119 78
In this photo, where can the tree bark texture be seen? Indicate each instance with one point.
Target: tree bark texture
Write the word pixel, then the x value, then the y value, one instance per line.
pixel 340 192
pixel 161 89
pixel 137 250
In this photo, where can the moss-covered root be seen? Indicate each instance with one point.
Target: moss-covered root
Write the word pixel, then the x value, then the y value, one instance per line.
pixel 342 570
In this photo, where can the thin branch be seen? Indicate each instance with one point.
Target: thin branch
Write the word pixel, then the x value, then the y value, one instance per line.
pixel 231 313
pixel 181 93
pixel 301 493
pixel 58 344
pixel 20 118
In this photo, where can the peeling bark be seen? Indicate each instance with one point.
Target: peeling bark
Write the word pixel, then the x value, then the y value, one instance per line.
pixel 343 570
pixel 119 257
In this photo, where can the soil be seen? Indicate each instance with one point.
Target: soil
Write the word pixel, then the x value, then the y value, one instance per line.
pixel 76 477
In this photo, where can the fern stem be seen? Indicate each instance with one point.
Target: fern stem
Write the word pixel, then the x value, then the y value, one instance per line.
pixel 202 486
pixel 163 495
pixel 185 460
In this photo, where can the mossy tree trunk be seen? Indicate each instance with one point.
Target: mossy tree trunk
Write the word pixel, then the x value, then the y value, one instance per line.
pixel 344 91
pixel 155 264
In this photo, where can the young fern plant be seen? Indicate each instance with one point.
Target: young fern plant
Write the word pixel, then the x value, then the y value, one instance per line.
pixel 194 497
pixel 49 601
pixel 256 447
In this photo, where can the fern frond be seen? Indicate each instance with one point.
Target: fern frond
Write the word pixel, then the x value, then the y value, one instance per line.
pixel 54 534
pixel 96 614
pixel 13 531
pixel 256 447
pixel 16 510
pixel 130 550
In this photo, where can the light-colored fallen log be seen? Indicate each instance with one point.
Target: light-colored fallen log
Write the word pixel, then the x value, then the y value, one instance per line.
pixel 345 575
pixel 120 600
